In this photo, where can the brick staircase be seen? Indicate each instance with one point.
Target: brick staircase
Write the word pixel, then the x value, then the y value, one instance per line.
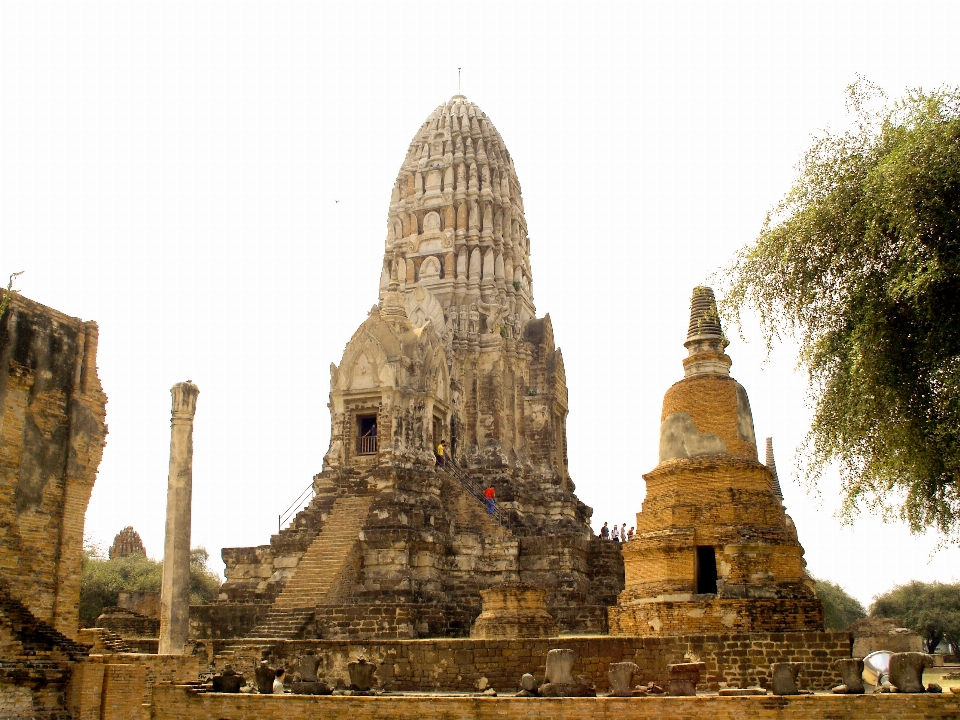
pixel 36 636
pixel 105 641
pixel 318 572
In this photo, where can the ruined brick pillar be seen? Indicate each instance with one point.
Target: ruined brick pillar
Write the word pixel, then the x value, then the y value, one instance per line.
pixel 175 587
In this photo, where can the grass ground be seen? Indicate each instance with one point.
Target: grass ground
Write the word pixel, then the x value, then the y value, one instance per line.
pixel 936 675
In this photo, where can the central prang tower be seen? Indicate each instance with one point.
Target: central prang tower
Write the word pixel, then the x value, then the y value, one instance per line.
pixel 456 272
pixel 393 545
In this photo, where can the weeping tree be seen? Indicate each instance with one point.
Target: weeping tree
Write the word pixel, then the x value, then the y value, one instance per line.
pixel 860 265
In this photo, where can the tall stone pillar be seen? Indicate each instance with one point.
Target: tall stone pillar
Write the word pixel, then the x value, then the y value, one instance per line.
pixel 175 587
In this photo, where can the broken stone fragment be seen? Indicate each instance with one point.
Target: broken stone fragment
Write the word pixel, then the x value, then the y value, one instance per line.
pixel 265 676
pixel 851 670
pixel 529 683
pixel 361 674
pixel 559 667
pixel 621 678
pixel 785 678
pixel 906 671
pixel 308 667
pixel 684 678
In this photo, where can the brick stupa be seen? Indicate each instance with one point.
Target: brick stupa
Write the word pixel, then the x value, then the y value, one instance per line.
pixel 714 550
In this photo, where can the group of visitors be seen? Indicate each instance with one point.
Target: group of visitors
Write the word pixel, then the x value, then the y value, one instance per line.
pixel 617 534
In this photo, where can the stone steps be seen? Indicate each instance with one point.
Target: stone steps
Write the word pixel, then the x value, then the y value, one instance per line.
pixel 318 571
pixel 320 567
pixel 36 636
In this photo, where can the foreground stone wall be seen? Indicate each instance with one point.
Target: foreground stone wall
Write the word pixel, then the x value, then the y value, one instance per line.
pixel 449 664
pixel 173 703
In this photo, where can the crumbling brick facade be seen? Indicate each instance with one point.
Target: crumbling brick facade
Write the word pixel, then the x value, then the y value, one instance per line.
pixel 51 440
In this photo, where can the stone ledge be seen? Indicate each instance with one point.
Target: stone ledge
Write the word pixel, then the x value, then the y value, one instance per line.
pixel 176 703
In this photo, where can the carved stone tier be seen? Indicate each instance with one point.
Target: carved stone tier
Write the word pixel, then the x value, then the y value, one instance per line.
pixel 514 610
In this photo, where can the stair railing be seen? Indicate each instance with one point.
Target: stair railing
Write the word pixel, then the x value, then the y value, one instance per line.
pixel 305 497
pixel 455 472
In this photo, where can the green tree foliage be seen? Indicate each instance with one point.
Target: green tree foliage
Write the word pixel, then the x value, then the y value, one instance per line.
pixel 839 608
pixel 102 580
pixel 932 610
pixel 861 264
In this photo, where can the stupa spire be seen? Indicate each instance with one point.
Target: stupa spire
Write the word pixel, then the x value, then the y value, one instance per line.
pixel 772 466
pixel 705 339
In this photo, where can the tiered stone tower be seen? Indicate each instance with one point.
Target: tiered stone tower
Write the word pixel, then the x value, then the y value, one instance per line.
pixel 714 551
pixel 127 542
pixel 392 546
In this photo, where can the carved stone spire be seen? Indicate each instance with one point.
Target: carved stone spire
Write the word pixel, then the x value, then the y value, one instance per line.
pixel 126 543
pixel 457 188
pixel 772 466
pixel 705 339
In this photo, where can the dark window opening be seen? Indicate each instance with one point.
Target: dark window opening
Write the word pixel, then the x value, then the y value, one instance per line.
pixel 706 570
pixel 366 434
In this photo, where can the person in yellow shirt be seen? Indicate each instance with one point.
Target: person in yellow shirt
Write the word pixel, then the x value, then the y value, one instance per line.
pixel 440 455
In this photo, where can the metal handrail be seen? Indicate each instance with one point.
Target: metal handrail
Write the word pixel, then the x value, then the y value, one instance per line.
pixel 471 486
pixel 305 497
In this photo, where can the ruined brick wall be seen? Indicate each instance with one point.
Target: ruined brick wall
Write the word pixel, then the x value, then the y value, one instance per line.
pixel 172 703
pixel 53 434
pixel 128 624
pixel 734 660
pixel 156 670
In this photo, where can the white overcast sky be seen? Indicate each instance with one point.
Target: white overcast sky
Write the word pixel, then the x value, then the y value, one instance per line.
pixel 173 171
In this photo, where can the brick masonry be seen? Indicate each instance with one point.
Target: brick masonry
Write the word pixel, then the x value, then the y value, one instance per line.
pixel 52 433
pixel 733 660
pixel 173 703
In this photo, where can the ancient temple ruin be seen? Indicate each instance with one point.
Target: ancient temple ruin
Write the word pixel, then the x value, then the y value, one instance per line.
pixel 394 544
pixel 126 543
pixel 714 550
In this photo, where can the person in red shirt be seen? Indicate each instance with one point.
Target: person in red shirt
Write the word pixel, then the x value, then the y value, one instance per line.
pixel 491 501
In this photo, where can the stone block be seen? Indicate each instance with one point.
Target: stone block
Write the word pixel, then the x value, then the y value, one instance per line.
pixel 906 671
pixel 362 674
pixel 851 671
pixel 684 677
pixel 559 666
pixel 785 678
pixel 620 676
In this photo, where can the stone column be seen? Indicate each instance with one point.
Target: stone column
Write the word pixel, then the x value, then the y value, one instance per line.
pixel 175 587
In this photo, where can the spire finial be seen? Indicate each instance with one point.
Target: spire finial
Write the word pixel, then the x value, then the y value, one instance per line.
pixel 458 81
pixel 705 340
pixel 772 467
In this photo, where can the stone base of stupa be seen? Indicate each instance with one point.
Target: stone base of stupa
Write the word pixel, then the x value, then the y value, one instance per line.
pixel 733 615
